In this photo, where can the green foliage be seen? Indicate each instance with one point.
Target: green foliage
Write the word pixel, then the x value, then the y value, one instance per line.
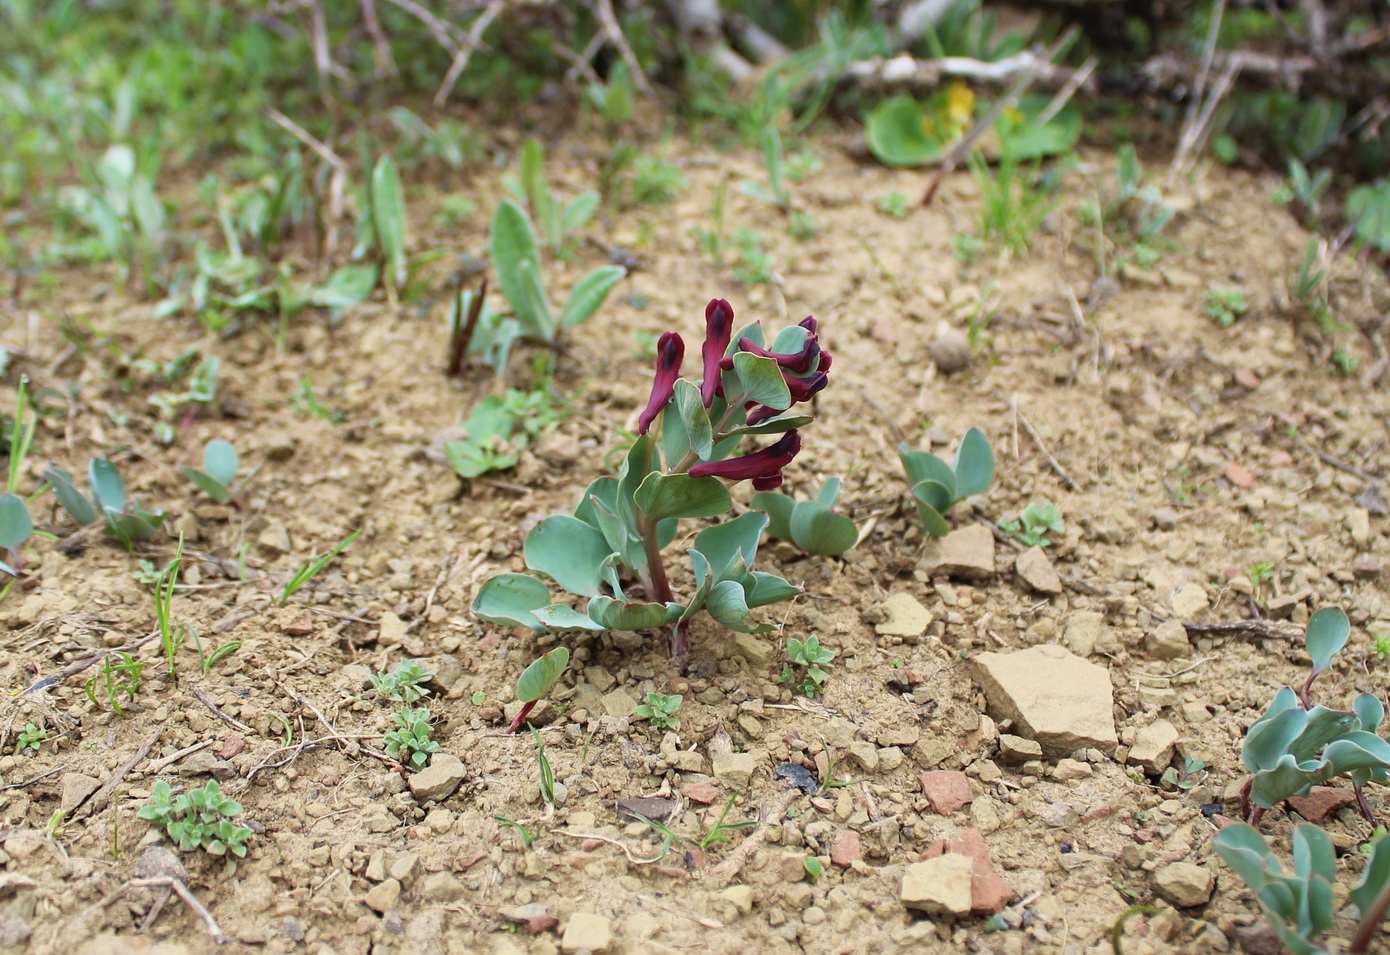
pixel 389 222
pixel 1304 187
pixel 660 710
pixel 197 819
pixel 1259 573
pixel 558 221
pixel 1013 203
pixel 614 100
pixel 893 204
pixel 410 742
pixel 804 673
pixel 722 831
pixel 537 679
pixel 498 430
pixel 305 401
pixel 1368 210
pixel 655 181
pixel 546 775
pixel 220 462
pixel 814 869
pixel 315 564
pixel 1382 646
pixel 1224 305
pixel 31 737
pixel 904 132
pixel 937 487
pixel 528 836
pixel 124 519
pixel 448 142
pixel 1034 523
pixel 164 608
pixel 1132 217
pixel 755 264
pixel 774 190
pixel 124 212
pixel 404 684
pixel 1300 905
pixel 810 525
pixel 1309 287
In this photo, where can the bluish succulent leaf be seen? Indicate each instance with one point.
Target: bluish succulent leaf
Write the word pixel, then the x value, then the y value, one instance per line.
pixel 211 487
pixel 727 604
pixel 1328 631
pixel 108 489
pixel 679 495
pixel 760 381
pixel 934 522
pixel 537 679
pixel 78 506
pixel 778 508
pixel 220 461
pixel 693 419
pixel 569 551
pixel 1269 787
pixel 1369 710
pixel 1373 878
pixel 1269 739
pixel 735 541
pixel 15 523
pixel 620 615
pixel 1324 725
pixel 509 600
pixel 762 589
pixel 1242 848
pixel 817 530
pixel 974 467
pixel 829 492
pixel 778 425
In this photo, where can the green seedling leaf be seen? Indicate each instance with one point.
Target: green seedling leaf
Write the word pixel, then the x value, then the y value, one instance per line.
pixel 735 541
pixel 777 425
pixel 212 488
pixel 1373 878
pixel 680 495
pixel 388 215
pixel 694 419
pixel 927 494
pixel 1026 139
pixel 569 551
pixel 560 617
pixel 923 466
pixel 509 600
pixel 537 679
pixel 107 487
pixel 348 286
pixel 1268 740
pixel 829 492
pixel 220 461
pixel 1369 710
pixel 589 293
pixel 15 523
pixel 512 248
pixel 728 604
pixel 760 380
pixel 1368 209
pixel 763 589
pixel 614 614
pixel 897 136
pixel 778 508
pixel 817 530
pixel 579 211
pixel 974 467
pixel 1328 631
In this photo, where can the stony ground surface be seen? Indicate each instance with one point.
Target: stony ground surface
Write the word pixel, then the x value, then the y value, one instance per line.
pixel 998 720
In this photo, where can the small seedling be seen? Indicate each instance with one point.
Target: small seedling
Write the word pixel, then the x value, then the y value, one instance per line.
pixel 830 782
pixel 1034 523
pixel 774 191
pixel 894 205
pixel 478 697
pixel 1013 203
pixel 199 818
pixel 1301 905
pixel 1382 647
pixel 536 680
pixel 125 520
pixel 1297 745
pixel 814 869
pixel 528 836
pixel 305 401
pixel 411 743
pixel 1225 305
pixel 31 737
pixel 668 838
pixel 660 709
pixel 1186 779
pixel 1260 573
pixel 721 832
pixel 810 525
pixel 404 684
pixel 804 673
pixel 546 774
pixel 937 487
pixel 315 564
pixel 1344 361
pixel 388 221
pixel 755 265
pixel 220 462
pixel 801 226
pixel 498 430
pixel 164 608
pixel 655 181
pixel 121 677
pixel 711 237
pixel 613 100
pixel 557 221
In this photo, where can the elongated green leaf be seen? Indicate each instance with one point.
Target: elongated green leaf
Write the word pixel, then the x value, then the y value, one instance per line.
pixel 1313 853
pixel 512 247
pixel 761 589
pixel 817 530
pixel 1268 741
pixel 73 501
pixel 974 467
pixel 605 490
pixel 346 287
pixel 210 486
pixel 733 541
pixel 760 381
pixel 220 461
pixel 829 491
pixel 728 604
pixel 680 495
pixel 107 487
pixel 694 419
pixel 933 523
pixel 704 580
pixel 777 425
pixel 620 537
pixel 1369 710
pixel 15 523
pixel 579 211
pixel 388 215
pixel 641 459
pixel 923 466
pixel 618 615
pixel 1373 878
pixel 1242 848
pixel 589 293
pixel 778 508
pixel 537 679
pixel 537 307
pixel 569 551
pixel 508 600
pixel 1328 631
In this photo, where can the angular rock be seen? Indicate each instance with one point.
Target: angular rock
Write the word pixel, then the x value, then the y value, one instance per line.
pixel 1168 641
pixel 903 616
pixel 1189 601
pixel 439 779
pixel 735 768
pixel 75 789
pixel 1015 750
pixel 1084 630
pixel 618 703
pixel 1321 801
pixel 703 793
pixel 442 887
pixel 940 886
pixel 393 629
pixel 587 930
pixel 383 898
pixel 988 892
pixel 947 790
pixel 652 807
pixel 740 896
pixel 967 554
pixel 1153 746
pixel 1053 696
pixel 1184 884
pixel 1070 770
pixel 846 849
pixel 757 652
pixel 1035 570
pixel 275 539
pixel 864 754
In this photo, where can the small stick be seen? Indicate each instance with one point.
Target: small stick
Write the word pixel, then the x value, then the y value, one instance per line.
pixel 1259 629
pixel 173 758
pixel 656 903
pixel 168 882
pixel 612 842
pixel 1201 662
pixel 229 720
pixel 465 51
pixel 31 782
pixel 1052 462
pixel 98 798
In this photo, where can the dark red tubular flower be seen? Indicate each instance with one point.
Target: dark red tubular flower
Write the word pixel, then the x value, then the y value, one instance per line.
pixel 799 362
pixel 804 389
pixel 670 352
pixel 719 328
pixel 808 323
pixel 760 467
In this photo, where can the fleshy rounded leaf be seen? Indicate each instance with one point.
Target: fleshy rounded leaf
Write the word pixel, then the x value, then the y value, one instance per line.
pixel 73 501
pixel 15 523
pixel 817 530
pixel 762 589
pixel 974 465
pixel 679 495
pixel 1268 741
pixel 1373 878
pixel 1328 631
pixel 107 486
pixel 569 551
pixel 760 381
pixel 728 604
pixel 537 679
pixel 778 508
pixel 508 600
pixel 734 541
pixel 619 615
pixel 1369 710
pixel 934 523
pixel 220 461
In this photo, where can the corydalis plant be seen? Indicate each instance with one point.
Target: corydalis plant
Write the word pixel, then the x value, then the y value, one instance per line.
pixel 688 434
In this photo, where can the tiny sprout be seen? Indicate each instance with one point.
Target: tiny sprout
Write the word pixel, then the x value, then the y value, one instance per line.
pixel 411 743
pixel 814 868
pixel 1034 523
pixel 660 709
pixel 404 684
pixel 804 673
pixel 536 680
pixel 31 737
pixel 478 697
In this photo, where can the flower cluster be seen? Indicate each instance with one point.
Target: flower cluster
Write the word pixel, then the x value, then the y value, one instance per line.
pixel 805 371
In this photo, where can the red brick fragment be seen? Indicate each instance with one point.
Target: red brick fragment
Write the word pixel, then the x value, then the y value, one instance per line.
pixel 946 789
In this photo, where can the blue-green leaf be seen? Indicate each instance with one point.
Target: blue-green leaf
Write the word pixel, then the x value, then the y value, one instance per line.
pixel 1328 631
pixel 818 530
pixel 537 679
pixel 1373 878
pixel 509 600
pixel 388 215
pixel 107 487
pixel 923 466
pixel 778 508
pixel 220 461
pixel 762 589
pixel 760 381
pixel 212 488
pixel 728 604
pixel 78 506
pixel 1268 740
pixel 974 467
pixel 512 247
pixel 781 423
pixel 680 495
pixel 569 551
pixel 829 491
pixel 579 211
pixel 589 293
pixel 15 523
pixel 736 540
pixel 928 495
pixel 693 419
pixel 1369 710
pixel 620 615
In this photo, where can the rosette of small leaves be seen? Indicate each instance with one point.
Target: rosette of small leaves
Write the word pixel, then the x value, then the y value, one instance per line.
pixel 411 743
pixel 810 525
pixel 404 684
pixel 804 673
pixel 199 818
pixel 660 710
pixel 125 519
pixel 618 530
pixel 937 486
pixel 1300 905
pixel 1297 745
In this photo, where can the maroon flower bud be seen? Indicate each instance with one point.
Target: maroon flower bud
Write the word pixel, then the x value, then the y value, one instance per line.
pixel 719 328
pixel 808 323
pixel 804 389
pixel 760 466
pixel 801 361
pixel 670 351
pixel 768 483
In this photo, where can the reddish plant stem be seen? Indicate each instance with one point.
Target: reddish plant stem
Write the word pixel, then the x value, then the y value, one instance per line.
pixel 1364 805
pixel 525 711
pixel 1370 922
